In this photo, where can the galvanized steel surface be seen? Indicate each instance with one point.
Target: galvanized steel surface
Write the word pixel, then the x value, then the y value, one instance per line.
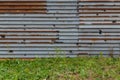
pixel 99 29
pixel 64 27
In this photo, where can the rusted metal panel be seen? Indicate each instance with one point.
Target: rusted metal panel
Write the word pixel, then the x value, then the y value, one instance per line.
pixel 23 7
pixel 26 32
pixel 65 28
pixel 99 27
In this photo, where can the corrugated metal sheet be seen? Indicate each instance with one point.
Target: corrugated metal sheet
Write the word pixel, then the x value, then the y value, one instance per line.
pixel 99 29
pixel 44 28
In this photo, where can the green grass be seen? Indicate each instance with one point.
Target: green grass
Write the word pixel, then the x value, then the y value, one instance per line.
pixel 81 68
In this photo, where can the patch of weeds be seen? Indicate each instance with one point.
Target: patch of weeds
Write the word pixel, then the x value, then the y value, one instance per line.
pixel 59 68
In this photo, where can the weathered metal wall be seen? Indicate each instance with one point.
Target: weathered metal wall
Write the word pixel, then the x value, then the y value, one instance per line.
pixel 47 28
pixel 99 30
pixel 44 28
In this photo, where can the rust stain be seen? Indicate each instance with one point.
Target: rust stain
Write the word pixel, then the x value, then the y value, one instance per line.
pixel 18 37
pixel 22 7
pixel 79 54
pixel 106 34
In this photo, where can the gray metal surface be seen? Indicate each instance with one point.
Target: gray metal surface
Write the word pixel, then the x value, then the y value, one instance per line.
pixel 41 35
pixel 99 30
pixel 68 28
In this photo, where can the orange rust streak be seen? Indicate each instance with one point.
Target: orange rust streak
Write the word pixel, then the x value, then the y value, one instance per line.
pixel 26 42
pixel 28 38
pixel 53 31
pixel 22 7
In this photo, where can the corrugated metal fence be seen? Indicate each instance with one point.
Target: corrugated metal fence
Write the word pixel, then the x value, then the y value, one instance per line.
pixel 46 28
pixel 100 26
